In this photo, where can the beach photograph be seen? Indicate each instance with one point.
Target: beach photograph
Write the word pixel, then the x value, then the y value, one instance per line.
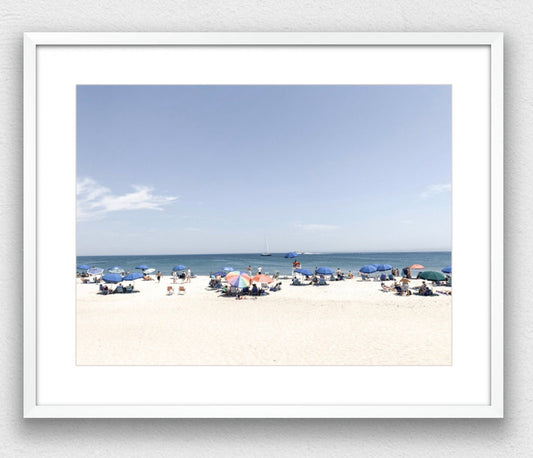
pixel 263 225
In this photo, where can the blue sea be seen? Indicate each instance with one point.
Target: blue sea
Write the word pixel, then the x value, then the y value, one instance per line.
pixel 204 264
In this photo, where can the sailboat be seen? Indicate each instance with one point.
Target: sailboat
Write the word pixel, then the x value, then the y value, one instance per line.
pixel 266 252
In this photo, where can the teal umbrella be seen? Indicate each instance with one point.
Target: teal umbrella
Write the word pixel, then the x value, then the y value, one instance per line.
pixel 432 276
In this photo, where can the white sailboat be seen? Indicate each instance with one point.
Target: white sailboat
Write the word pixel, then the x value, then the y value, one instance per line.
pixel 266 252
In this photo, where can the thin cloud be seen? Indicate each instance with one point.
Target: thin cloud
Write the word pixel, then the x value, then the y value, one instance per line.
pixel 316 227
pixel 436 189
pixel 94 201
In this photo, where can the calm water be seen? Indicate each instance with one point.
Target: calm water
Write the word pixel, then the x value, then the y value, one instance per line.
pixel 204 264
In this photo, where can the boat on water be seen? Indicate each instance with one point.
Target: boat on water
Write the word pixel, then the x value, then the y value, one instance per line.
pixel 266 252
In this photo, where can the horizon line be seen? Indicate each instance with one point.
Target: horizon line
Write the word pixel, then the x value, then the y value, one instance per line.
pixel 280 252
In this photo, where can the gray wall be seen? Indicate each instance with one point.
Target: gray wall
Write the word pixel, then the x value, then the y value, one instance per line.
pixel 62 438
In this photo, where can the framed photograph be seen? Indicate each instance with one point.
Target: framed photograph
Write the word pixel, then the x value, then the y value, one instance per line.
pixel 263 225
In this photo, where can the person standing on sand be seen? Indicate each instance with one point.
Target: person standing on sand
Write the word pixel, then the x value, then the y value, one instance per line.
pixel 158 276
pixel 259 269
pixel 174 276
pixel 250 271
pixel 188 274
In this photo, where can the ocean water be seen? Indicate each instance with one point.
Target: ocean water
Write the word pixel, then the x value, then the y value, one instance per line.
pixel 204 264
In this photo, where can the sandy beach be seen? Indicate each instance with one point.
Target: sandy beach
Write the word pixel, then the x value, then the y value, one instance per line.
pixel 349 322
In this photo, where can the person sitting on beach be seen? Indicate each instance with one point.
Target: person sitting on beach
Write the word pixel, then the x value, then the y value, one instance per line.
pixel 387 288
pixel 255 291
pixel 422 288
pixel 350 275
pixel 314 280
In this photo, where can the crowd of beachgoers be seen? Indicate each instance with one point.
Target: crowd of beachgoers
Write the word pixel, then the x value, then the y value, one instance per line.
pixel 254 283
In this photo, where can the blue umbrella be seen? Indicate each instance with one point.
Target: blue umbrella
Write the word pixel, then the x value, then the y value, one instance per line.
pixel 112 278
pixel 228 269
pixel 304 272
pixel 291 254
pixel 324 271
pixel 382 267
pixel 83 267
pixel 133 276
pixel 179 267
pixel 142 267
pixel 368 269
pixel 115 270
pixel 447 270
pixel 95 271
pixel 222 273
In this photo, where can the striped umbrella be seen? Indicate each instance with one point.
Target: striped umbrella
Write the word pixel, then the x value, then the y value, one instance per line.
pixel 262 278
pixel 115 270
pixel 95 271
pixel 238 279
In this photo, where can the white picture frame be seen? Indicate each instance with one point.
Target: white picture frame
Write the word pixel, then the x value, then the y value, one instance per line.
pixel 216 407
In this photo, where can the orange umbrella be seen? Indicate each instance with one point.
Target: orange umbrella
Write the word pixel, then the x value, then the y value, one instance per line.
pixel 417 266
pixel 262 278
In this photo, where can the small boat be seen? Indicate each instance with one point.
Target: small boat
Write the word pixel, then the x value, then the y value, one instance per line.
pixel 266 252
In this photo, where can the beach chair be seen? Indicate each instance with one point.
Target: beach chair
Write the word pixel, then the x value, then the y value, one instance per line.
pixel 181 290
pixel 322 281
pixel 170 291
pixel 296 282
pixel 119 289
pixel 391 277
pixel 276 287
pixel 129 289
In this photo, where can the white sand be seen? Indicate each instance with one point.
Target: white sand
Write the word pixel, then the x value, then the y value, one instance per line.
pixel 346 323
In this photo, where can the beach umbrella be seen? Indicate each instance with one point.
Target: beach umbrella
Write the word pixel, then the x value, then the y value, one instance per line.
pixel 221 273
pixel 142 267
pixel 447 270
pixel 112 278
pixel 306 272
pixel 432 275
pixel 179 267
pixel 149 271
pixel 95 271
pixel 133 276
pixel 324 271
pixel 368 269
pixel 228 269
pixel 383 267
pixel 262 278
pixel 83 267
pixel 416 267
pixel 291 254
pixel 115 270
pixel 238 279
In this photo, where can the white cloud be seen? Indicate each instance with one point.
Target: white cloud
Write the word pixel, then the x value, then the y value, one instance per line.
pixel 316 227
pixel 95 201
pixel 436 189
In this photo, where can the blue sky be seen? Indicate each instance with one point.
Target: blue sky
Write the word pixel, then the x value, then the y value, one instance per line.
pixel 217 169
